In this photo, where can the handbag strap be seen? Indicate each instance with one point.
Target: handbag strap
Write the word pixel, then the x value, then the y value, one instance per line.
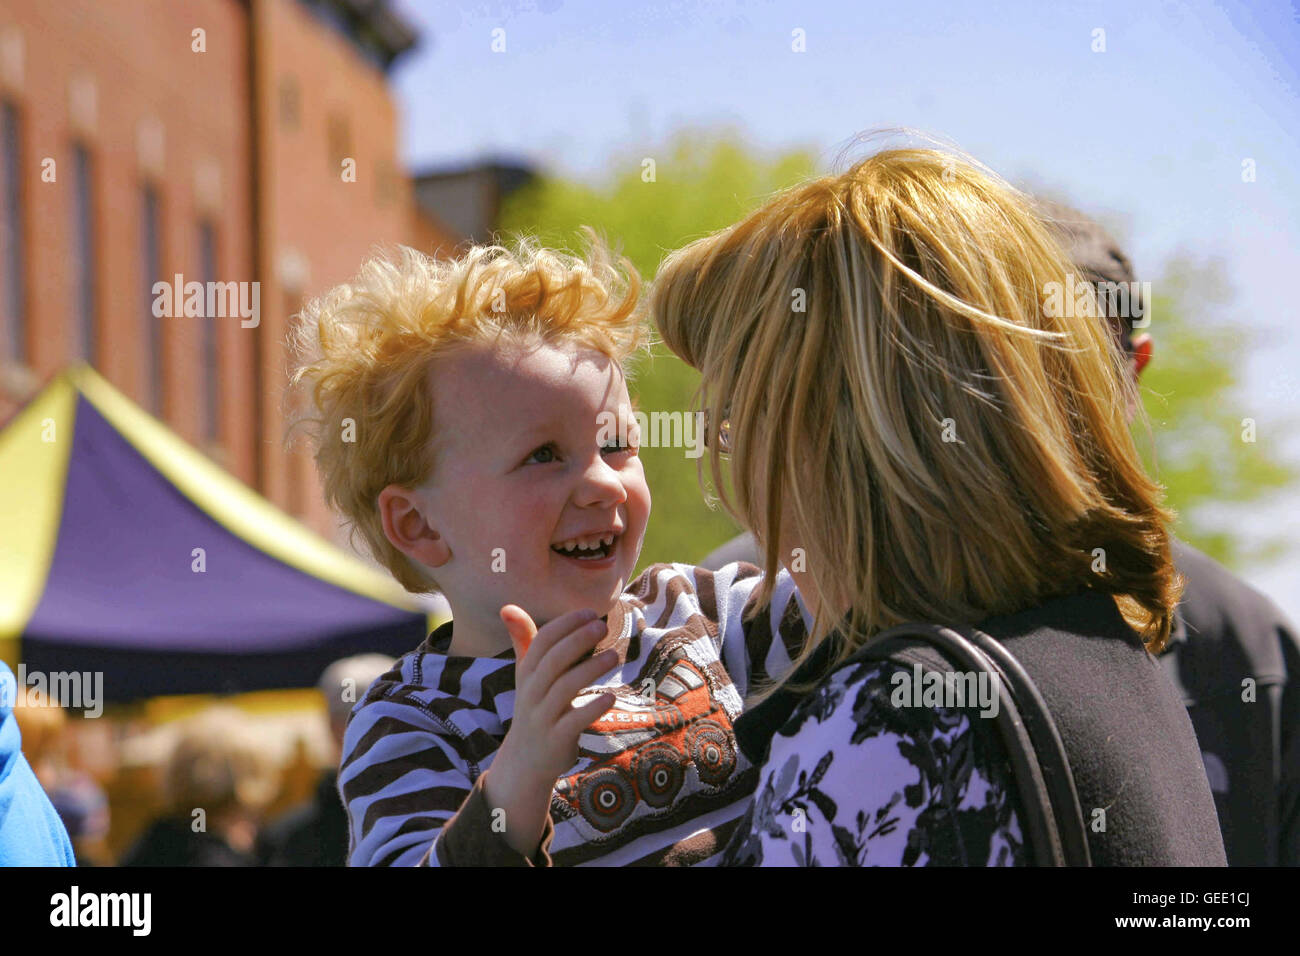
pixel 1054 821
pixel 1048 747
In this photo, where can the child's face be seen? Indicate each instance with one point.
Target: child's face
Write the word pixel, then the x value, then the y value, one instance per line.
pixel 520 472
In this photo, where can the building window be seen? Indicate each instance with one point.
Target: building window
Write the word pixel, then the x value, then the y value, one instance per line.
pixel 387 183
pixel 297 496
pixel 83 251
pixel 209 368
pixel 151 259
pixel 290 102
pixel 258 400
pixel 13 273
pixel 338 141
pixel 294 500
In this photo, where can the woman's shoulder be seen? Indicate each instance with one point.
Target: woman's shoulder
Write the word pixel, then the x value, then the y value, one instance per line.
pixel 862 774
pixel 1084 613
pixel 880 697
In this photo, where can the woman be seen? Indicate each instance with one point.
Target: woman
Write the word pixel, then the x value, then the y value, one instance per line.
pixel 919 433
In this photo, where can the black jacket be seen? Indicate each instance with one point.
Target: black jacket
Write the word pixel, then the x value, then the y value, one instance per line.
pixel 171 841
pixel 1130 743
pixel 315 834
pixel 1228 641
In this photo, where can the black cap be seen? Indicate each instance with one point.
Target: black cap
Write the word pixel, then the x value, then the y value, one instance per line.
pixel 1097 255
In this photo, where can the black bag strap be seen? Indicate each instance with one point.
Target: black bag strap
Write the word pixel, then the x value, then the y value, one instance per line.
pixel 1054 821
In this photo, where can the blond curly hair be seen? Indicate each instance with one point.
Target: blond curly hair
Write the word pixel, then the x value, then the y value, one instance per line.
pixel 367 352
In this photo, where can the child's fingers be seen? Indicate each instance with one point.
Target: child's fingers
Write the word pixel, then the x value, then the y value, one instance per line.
pixel 580 718
pixel 559 698
pixel 559 658
pixel 522 630
pixel 554 631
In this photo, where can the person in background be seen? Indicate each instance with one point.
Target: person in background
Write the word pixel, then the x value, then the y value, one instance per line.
pixel 75 795
pixel 1233 655
pixel 1231 648
pixel 31 833
pixel 316 833
pixel 217 782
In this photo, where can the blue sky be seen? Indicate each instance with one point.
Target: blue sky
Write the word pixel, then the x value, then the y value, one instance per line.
pixel 1150 134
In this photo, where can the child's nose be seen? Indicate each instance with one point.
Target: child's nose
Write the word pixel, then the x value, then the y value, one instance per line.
pixel 600 484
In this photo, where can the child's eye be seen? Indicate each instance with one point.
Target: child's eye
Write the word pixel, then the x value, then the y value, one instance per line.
pixel 629 441
pixel 543 455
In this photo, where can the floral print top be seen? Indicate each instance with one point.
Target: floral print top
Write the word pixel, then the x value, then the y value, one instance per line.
pixel 851 780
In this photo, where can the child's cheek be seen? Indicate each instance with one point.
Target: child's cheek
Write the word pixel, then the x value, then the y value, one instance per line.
pixel 531 522
pixel 639 506
pixel 641 489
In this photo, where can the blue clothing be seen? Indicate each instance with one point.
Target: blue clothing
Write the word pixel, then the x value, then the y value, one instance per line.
pixel 31 833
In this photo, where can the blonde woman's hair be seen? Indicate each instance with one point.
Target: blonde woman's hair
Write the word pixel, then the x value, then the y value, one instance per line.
pixel 368 349
pixel 944 444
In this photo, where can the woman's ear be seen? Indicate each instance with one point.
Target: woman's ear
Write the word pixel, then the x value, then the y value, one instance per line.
pixel 408 526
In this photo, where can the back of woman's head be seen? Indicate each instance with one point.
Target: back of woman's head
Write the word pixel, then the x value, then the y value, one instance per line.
pixel 940 441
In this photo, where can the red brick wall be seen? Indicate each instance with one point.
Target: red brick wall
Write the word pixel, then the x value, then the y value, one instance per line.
pixel 314 228
pixel 137 57
pixel 317 223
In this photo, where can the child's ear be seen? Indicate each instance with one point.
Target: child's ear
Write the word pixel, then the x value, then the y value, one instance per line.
pixel 403 513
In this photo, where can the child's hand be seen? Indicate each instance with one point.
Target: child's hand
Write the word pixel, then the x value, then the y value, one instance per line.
pixel 552 666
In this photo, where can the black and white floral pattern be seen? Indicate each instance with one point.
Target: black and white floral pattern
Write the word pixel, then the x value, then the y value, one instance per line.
pixel 852 780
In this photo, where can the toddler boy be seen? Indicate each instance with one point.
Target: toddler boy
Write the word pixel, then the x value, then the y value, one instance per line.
pixel 459 411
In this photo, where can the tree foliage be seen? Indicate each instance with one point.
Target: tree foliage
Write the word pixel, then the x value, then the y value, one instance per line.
pixel 1201 446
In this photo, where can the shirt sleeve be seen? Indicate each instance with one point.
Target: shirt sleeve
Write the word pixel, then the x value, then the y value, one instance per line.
pixel 758 644
pixel 852 780
pixel 474 837
pixel 410 800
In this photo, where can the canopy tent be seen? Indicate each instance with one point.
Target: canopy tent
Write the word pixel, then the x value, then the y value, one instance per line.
pixel 123 550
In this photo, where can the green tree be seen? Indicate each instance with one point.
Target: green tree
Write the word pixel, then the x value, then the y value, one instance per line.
pixel 698 183
pixel 1201 446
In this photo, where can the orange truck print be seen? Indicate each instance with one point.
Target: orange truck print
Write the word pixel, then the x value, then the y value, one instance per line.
pixel 641 751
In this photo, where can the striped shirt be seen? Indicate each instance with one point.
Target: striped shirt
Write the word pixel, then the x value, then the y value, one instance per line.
pixel 659 778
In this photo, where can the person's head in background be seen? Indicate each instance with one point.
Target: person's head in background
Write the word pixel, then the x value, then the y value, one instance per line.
pixel 76 797
pixel 219 775
pixel 1100 259
pixel 907 420
pixel 344 683
pixel 45 741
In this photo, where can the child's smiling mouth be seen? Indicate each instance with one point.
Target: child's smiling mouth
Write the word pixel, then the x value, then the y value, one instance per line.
pixel 595 550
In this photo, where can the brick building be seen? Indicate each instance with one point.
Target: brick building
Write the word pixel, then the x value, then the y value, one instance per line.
pixel 224 141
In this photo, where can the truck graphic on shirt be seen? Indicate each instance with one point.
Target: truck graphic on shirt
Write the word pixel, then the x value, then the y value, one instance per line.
pixel 641 750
